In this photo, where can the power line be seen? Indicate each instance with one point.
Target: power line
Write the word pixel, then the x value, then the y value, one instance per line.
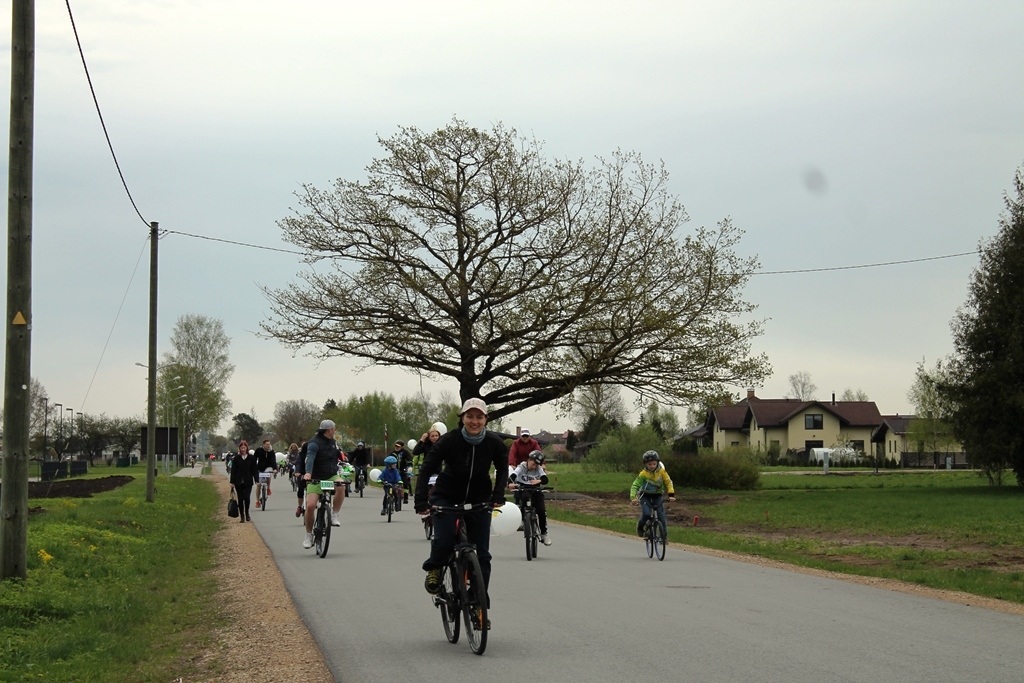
pixel 865 265
pixel 99 113
pixel 239 244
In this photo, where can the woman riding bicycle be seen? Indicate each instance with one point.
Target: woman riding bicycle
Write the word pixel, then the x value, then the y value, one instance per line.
pixel 531 474
pixel 466 455
pixel 650 484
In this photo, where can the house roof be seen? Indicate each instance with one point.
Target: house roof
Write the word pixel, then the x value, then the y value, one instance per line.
pixel 897 424
pixel 777 412
pixel 729 417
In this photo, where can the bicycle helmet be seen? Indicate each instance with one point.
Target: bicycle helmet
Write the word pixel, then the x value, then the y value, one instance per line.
pixel 537 457
pixel 651 455
pixel 391 460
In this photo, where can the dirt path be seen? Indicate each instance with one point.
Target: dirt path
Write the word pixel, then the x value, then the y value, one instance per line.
pixel 238 651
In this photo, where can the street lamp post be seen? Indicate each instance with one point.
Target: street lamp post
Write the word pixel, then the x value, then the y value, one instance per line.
pixel 46 415
pixel 60 431
pixel 72 435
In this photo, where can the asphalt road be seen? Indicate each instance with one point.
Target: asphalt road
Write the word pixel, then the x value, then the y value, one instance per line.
pixel 593 607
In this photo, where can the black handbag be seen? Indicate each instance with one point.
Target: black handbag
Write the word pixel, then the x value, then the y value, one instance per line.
pixel 232 505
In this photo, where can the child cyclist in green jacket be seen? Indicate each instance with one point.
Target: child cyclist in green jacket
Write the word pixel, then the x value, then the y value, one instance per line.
pixel 647 491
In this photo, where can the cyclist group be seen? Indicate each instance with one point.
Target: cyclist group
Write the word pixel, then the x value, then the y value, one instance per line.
pixel 453 472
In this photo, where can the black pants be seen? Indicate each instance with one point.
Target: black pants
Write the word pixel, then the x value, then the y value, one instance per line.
pixel 538 505
pixel 407 483
pixel 243 492
pixel 478 532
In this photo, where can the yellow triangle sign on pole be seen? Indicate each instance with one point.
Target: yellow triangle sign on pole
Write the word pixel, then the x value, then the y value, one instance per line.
pixel 19 319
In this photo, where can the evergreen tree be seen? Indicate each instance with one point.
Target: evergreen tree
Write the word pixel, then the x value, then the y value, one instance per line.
pixel 986 383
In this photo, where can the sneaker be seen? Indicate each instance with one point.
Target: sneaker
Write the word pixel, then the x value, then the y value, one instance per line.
pixel 433 581
pixel 247 517
pixel 298 511
pixel 544 539
pixel 308 543
pixel 476 620
pixel 335 520
pixel 269 492
pixel 383 512
pixel 257 503
pixel 639 531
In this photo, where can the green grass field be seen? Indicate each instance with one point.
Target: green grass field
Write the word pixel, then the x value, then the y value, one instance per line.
pixel 114 589
pixel 947 530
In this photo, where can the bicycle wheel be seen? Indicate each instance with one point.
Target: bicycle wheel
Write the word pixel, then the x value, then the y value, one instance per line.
pixel 263 497
pixel 528 537
pixel 447 601
pixel 649 539
pixel 323 521
pixel 474 602
pixel 398 503
pixel 535 524
pixel 391 507
pixel 360 484
pixel 659 542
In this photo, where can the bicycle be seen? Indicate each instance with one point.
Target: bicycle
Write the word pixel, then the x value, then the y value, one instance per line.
pixel 322 517
pixel 360 479
pixel 261 496
pixel 654 532
pixel 462 585
pixel 392 499
pixel 531 520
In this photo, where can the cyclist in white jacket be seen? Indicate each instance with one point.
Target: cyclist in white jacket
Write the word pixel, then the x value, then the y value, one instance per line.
pixel 531 473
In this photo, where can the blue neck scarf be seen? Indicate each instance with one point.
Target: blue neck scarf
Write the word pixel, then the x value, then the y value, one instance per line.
pixel 474 440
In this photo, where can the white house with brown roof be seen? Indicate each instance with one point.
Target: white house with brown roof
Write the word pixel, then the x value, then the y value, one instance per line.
pixel 792 424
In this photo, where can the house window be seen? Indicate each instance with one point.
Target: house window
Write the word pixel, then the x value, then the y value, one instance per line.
pixel 774 443
pixel 735 444
pixel 857 445
pixel 813 421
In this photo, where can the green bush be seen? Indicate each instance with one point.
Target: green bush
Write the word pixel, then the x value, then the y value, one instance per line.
pixel 722 471
pixel 622 449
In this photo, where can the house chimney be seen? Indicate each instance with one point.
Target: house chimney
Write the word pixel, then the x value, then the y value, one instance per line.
pixel 833 398
pixel 750 394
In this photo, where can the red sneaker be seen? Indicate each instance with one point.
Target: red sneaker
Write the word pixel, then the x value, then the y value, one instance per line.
pixel 269 492
pixel 257 502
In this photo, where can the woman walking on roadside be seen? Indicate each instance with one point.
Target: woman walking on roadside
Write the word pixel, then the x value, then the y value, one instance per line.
pixel 243 475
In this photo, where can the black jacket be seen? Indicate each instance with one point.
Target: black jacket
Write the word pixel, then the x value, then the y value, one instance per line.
pixel 465 477
pixel 360 456
pixel 265 459
pixel 244 472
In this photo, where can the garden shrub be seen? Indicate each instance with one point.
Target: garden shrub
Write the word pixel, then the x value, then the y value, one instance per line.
pixel 730 472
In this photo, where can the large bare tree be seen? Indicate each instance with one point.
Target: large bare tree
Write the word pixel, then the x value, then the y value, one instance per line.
pixel 466 254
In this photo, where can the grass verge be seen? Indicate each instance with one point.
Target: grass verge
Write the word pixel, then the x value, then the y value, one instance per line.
pixel 114 589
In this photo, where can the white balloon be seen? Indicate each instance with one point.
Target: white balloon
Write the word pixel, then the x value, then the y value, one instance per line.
pixel 505 520
pixel 410 443
pixel 374 474
pixel 441 428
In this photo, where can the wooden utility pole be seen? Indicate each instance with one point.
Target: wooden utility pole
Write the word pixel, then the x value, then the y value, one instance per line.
pixel 18 372
pixel 154 240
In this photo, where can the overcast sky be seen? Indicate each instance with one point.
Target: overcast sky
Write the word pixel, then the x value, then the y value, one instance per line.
pixel 835 134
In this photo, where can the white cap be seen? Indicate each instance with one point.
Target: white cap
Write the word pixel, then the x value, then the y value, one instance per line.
pixel 524 432
pixel 326 424
pixel 471 403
